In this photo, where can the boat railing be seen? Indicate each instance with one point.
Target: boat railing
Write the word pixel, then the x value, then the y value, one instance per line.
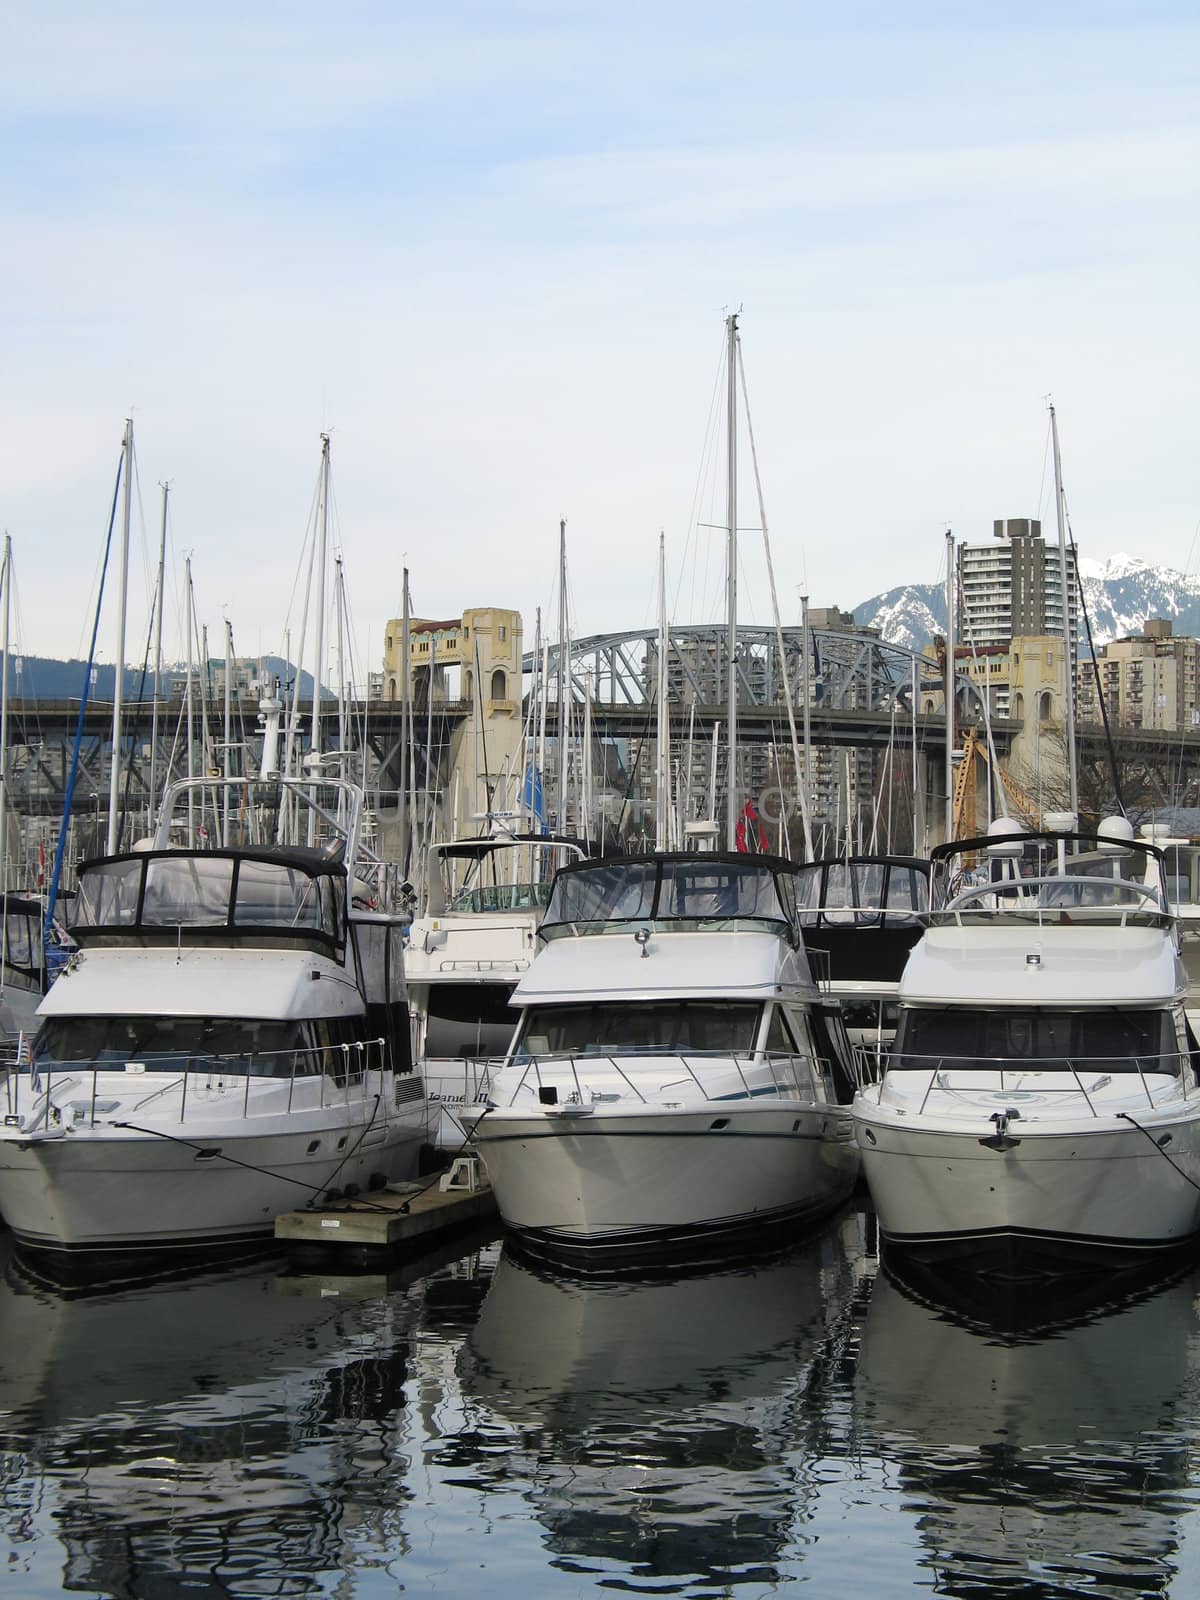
pixel 34 1095
pixel 1051 900
pixel 874 1062
pixel 781 1081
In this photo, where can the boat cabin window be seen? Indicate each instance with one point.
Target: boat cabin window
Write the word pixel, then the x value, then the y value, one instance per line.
pixel 174 1044
pixel 1052 1041
pixel 469 1019
pixel 604 894
pixel 211 890
pixel 696 889
pixel 22 941
pixel 189 890
pixel 108 894
pixel 779 1039
pixel 690 889
pixel 275 895
pixel 656 1027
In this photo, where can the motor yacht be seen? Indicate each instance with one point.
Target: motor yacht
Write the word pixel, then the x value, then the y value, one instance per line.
pixel 229 1041
pixel 676 1077
pixel 1039 1107
pixel 474 937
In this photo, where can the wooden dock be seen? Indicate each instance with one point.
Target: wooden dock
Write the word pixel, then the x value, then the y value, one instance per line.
pixel 402 1220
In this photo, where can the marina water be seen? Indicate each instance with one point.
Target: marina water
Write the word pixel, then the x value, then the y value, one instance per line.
pixel 484 1424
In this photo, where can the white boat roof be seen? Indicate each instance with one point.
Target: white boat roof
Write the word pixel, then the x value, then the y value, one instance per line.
pixel 1026 964
pixel 740 965
pixel 195 981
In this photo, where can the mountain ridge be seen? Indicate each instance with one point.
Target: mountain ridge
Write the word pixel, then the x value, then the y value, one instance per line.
pixel 1122 594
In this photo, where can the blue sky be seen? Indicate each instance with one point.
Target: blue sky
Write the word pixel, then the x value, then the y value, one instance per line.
pixel 490 246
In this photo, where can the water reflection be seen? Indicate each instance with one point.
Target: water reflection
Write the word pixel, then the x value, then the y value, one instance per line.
pixel 667 1429
pixel 232 1434
pixel 1042 1446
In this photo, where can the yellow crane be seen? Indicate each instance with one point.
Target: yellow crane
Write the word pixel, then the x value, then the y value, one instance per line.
pixel 966 785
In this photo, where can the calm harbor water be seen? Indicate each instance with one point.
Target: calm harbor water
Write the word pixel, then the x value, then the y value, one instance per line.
pixel 489 1426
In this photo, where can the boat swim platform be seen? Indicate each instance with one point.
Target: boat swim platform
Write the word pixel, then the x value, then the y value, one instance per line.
pixel 386 1225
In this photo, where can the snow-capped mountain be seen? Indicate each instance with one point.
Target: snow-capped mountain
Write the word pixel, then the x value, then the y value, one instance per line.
pixel 1122 594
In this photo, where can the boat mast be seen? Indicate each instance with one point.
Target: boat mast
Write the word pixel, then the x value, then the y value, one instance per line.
pixel 114 778
pixel 6 583
pixel 406 754
pixel 191 746
pixel 227 764
pixel 948 692
pixel 562 676
pixel 663 792
pixel 315 740
pixel 158 623
pixel 1068 675
pixel 731 735
pixel 340 605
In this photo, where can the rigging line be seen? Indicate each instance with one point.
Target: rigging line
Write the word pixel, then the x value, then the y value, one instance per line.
pixel 1124 1116
pixel 703 466
pixel 1087 622
pixel 137 717
pixel 69 792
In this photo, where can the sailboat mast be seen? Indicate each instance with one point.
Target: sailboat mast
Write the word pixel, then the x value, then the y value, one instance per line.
pixel 563 730
pixel 158 624
pixel 1068 684
pixel 663 791
pixel 406 739
pixel 731 736
pixel 6 581
pixel 948 694
pixel 315 741
pixel 191 744
pixel 227 763
pixel 114 779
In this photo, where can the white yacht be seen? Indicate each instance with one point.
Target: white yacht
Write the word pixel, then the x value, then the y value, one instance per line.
pixel 1039 1105
pixel 676 1076
pixel 475 936
pixel 230 1041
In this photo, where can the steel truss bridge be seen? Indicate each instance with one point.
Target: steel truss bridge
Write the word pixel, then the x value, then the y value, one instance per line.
pixel 860 696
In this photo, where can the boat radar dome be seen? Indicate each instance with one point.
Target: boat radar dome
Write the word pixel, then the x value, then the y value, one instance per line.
pixel 1060 822
pixel 1005 835
pixel 1115 834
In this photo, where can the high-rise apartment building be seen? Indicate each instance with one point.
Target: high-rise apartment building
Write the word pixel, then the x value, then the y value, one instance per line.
pixel 1012 587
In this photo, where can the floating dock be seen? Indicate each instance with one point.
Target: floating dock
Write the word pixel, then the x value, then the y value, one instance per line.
pixel 405 1219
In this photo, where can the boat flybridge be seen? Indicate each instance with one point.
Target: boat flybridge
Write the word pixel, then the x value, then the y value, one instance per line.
pixel 1039 1106
pixel 230 1040
pixel 474 936
pixel 676 1077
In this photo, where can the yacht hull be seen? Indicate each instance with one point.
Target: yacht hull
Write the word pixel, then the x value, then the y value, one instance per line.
pixel 105 1191
pixel 1067 1198
pixel 622 1183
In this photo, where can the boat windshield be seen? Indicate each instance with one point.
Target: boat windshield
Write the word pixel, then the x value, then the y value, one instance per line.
pixel 206 891
pixel 657 1027
pixel 502 897
pixel 684 891
pixel 172 1044
pixel 1049 1041
pixel 862 892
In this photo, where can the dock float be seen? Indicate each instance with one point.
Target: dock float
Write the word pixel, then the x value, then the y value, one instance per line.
pixel 402 1220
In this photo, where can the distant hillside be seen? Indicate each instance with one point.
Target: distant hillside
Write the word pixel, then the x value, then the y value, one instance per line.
pixel 45 678
pixel 1122 594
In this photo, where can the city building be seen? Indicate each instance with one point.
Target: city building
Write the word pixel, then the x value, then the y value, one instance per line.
pixel 1012 587
pixel 1149 680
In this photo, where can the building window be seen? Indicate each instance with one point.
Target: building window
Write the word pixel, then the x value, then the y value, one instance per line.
pixel 389 641
pixel 499 685
pixel 503 633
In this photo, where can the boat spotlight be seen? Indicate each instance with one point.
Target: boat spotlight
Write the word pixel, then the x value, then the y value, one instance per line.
pixel 642 937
